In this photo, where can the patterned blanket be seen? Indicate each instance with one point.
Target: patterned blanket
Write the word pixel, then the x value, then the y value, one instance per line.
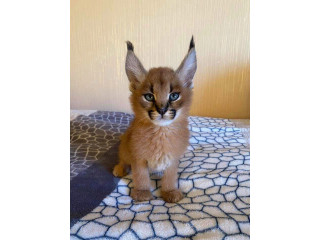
pixel 213 175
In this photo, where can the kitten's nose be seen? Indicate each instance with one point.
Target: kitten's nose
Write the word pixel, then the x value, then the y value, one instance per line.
pixel 162 111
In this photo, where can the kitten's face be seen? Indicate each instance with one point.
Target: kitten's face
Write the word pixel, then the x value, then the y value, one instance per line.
pixel 161 97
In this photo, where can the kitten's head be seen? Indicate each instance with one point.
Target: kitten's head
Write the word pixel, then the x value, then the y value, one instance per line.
pixel 161 95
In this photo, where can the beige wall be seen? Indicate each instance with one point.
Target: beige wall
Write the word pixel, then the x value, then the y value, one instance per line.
pixel 160 32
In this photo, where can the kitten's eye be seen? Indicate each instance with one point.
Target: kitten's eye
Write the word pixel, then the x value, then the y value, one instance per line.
pixel 149 97
pixel 174 96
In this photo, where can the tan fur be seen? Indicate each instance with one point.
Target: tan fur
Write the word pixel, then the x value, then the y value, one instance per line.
pixel 148 145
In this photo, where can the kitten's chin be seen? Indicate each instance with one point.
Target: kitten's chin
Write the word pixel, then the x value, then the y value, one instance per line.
pixel 162 122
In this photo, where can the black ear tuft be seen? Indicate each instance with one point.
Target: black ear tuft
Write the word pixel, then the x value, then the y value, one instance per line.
pixel 188 66
pixel 191 44
pixel 129 46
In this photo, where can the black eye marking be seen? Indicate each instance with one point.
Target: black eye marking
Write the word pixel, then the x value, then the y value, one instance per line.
pixel 151 88
pixel 149 97
pixel 171 88
pixel 174 96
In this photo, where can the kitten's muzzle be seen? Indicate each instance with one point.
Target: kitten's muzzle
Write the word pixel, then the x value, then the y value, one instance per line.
pixel 163 110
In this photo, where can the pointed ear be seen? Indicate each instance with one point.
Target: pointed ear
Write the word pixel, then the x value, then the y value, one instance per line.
pixel 188 67
pixel 134 69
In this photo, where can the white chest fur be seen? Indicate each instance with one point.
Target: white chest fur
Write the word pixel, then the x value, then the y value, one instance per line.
pixel 160 162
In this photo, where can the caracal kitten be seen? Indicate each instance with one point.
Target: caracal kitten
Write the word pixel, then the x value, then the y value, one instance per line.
pixel 158 135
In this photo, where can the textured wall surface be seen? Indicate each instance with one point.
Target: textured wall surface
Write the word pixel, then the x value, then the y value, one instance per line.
pixel 160 32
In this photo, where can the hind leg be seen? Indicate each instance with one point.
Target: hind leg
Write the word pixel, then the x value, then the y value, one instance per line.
pixel 121 169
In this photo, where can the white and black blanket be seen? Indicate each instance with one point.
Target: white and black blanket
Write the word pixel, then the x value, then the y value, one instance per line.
pixel 213 175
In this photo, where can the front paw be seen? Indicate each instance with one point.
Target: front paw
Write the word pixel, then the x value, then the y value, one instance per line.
pixel 172 196
pixel 141 195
